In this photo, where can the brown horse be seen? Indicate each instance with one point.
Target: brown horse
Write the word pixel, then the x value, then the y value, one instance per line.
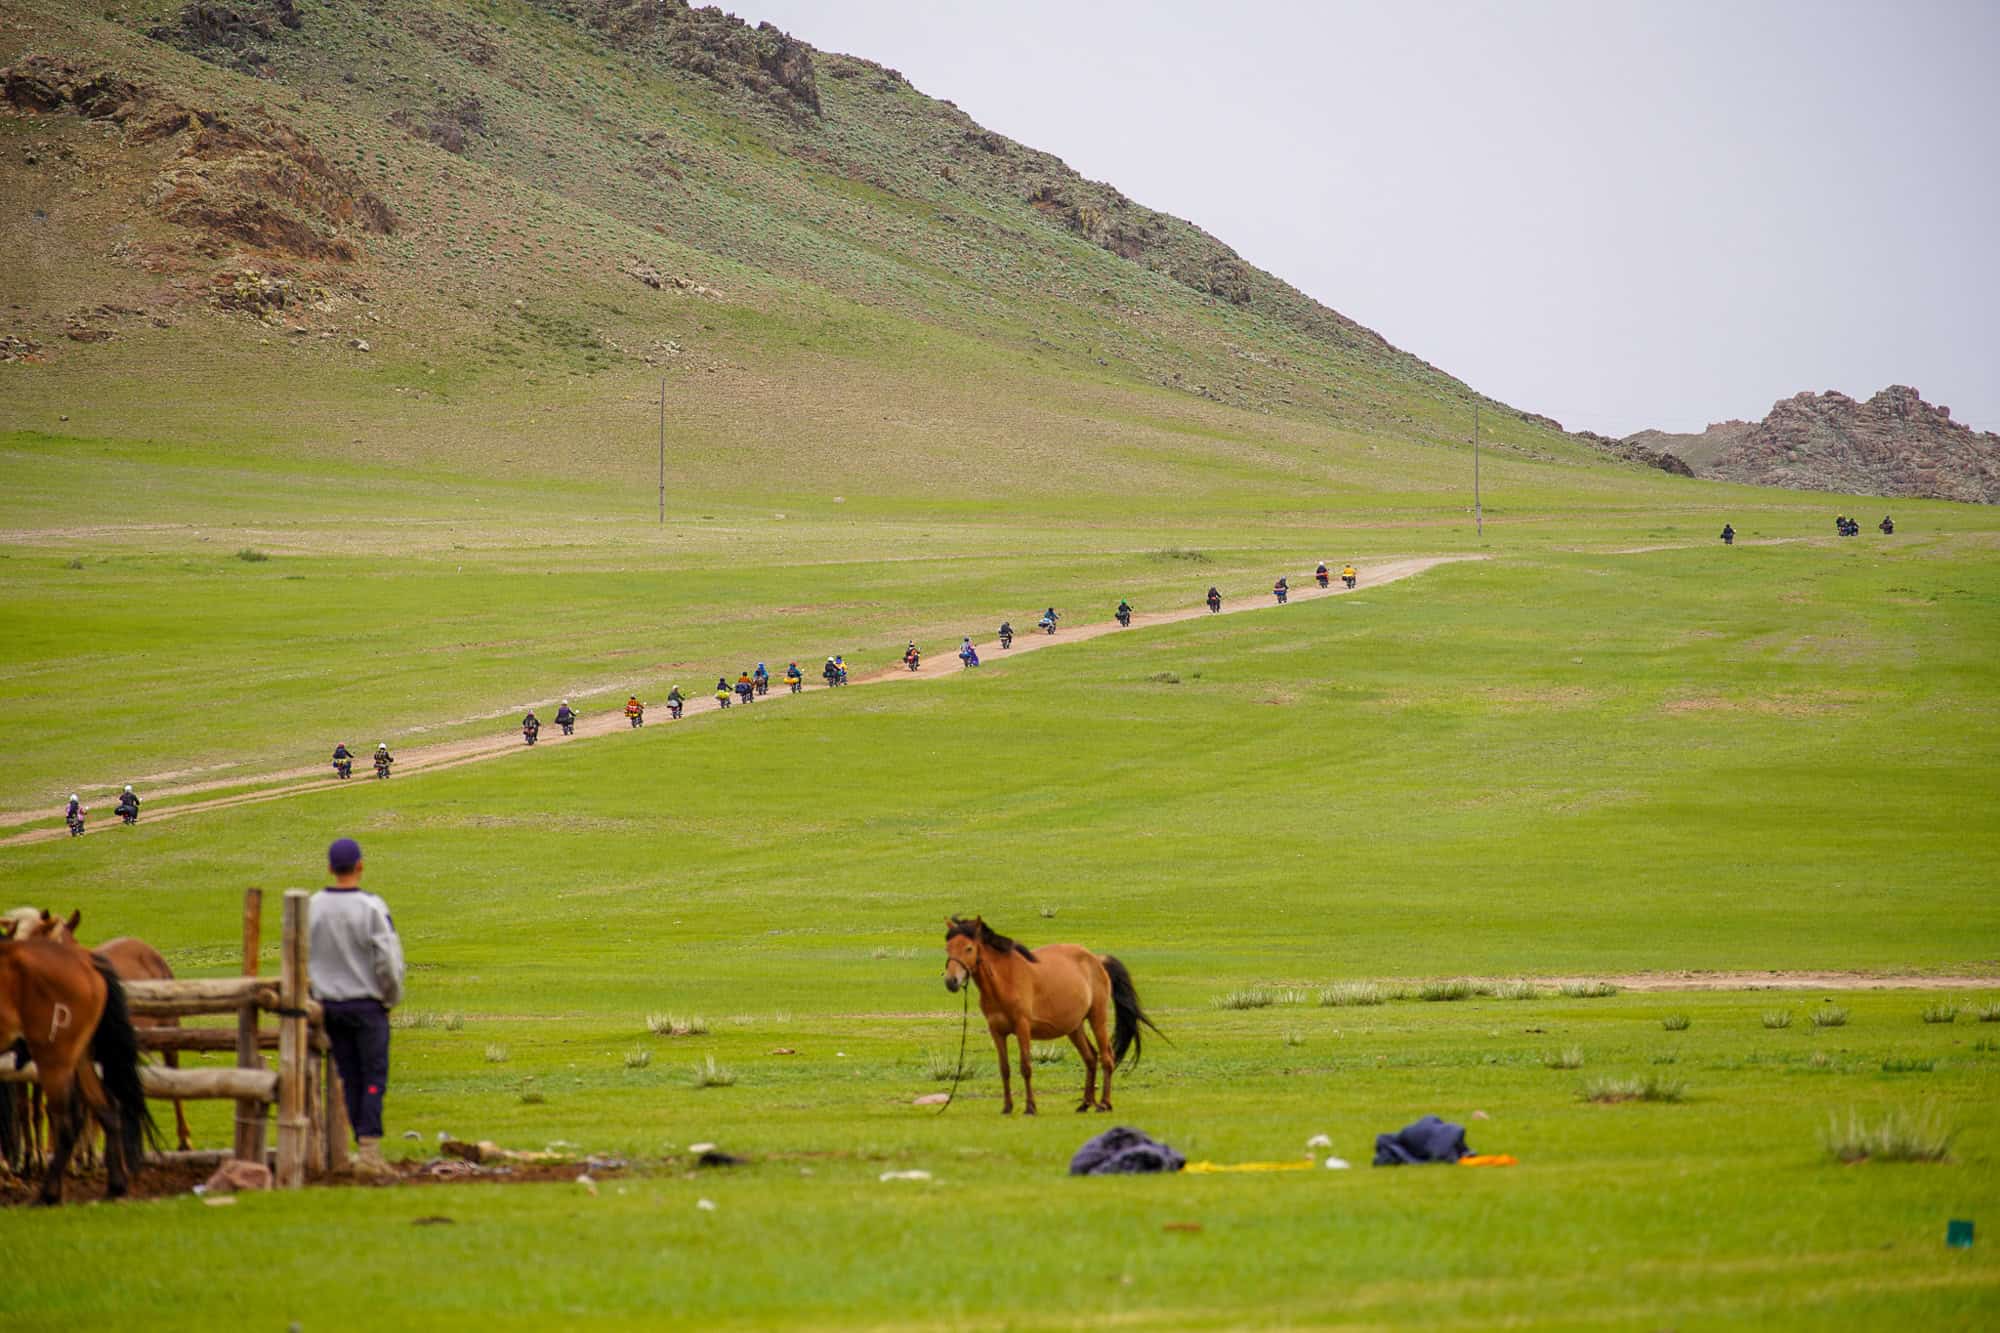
pixel 130 960
pixel 69 1010
pixel 1058 990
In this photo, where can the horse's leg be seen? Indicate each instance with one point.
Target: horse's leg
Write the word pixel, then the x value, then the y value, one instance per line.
pixel 59 1098
pixel 1099 1024
pixel 1089 1057
pixel 1006 1078
pixel 97 1102
pixel 1024 1038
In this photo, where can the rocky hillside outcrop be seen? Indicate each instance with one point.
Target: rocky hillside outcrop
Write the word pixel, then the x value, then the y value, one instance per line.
pixel 1892 444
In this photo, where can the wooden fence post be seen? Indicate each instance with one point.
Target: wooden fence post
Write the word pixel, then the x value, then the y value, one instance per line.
pixel 339 1130
pixel 293 1125
pixel 249 1114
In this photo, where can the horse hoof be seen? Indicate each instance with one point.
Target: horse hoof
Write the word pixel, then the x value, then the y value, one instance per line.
pixel 1104 1106
pixel 1029 1111
pixel 1081 1109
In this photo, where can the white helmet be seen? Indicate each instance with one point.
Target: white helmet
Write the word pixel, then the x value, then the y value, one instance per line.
pixel 72 796
pixel 128 786
pixel 381 745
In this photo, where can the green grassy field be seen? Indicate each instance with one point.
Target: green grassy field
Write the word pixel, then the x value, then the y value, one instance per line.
pixel 1550 764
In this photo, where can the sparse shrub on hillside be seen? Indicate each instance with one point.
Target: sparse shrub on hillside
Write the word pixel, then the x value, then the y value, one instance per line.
pixel 1908 1064
pixel 1899 1136
pixel 1458 988
pixel 1777 1018
pixel 1569 1057
pixel 1164 678
pixel 1351 993
pixel 638 1058
pixel 673 1025
pixel 496 1054
pixel 1049 1052
pixel 1588 990
pixel 1244 999
pixel 1182 554
pixel 1988 1012
pixel 1675 1022
pixel 73 563
pixel 1831 1016
pixel 1940 1013
pixel 1518 990
pixel 250 555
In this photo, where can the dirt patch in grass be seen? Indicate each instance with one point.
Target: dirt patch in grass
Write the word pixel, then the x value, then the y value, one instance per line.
pixel 1789 703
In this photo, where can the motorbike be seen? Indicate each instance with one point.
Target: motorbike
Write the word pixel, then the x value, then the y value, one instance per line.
pixel 796 683
pixel 129 813
pixel 528 734
pixel 1047 626
pixel 637 718
pixel 75 823
pixel 1323 578
pixel 969 658
pixel 1888 528
pixel 840 676
pixel 674 709
pixel 722 697
pixel 1282 594
pixel 343 769
pixel 382 767
pixel 569 727
pixel 1125 619
pixel 1006 638
pixel 1348 579
pixel 763 684
pixel 1214 605
pixel 745 692
pixel 1729 539
pixel 913 659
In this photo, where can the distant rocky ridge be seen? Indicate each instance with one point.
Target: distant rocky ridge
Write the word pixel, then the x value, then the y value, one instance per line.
pixel 1893 444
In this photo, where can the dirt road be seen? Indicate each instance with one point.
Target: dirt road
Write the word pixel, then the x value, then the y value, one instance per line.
pixel 451 754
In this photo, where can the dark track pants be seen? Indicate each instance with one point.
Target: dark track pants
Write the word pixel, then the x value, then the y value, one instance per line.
pixel 358 1031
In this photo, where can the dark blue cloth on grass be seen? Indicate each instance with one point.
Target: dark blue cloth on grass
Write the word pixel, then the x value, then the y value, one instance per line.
pixel 1122 1152
pixel 1428 1141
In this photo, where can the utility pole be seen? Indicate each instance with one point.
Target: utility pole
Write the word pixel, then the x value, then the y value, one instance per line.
pixel 1478 515
pixel 663 451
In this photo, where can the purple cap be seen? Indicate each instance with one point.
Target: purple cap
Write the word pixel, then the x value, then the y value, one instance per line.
pixel 343 855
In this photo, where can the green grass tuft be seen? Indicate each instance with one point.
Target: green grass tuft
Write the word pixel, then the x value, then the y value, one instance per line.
pixel 1643 1088
pixel 1588 990
pixel 1899 1136
pixel 1675 1022
pixel 1908 1064
pixel 1244 999
pixel 638 1058
pixel 706 1073
pixel 1569 1057
pixel 1350 994
pixel 1777 1018
pixel 1829 1016
pixel 250 555
pixel 1940 1013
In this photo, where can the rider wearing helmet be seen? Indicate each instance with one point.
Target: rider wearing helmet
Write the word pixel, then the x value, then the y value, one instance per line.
pixel 565 715
pixel 128 803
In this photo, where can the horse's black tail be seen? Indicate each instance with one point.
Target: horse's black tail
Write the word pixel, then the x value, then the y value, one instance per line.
pixel 115 1048
pixel 1128 1014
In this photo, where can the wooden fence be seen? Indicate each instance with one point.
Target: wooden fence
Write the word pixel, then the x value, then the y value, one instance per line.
pixel 313 1131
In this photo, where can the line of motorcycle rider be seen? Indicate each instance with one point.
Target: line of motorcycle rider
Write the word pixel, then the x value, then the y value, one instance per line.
pixel 748 686
pixel 1845 526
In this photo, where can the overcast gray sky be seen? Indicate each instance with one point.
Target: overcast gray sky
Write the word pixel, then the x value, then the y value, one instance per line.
pixel 1622 214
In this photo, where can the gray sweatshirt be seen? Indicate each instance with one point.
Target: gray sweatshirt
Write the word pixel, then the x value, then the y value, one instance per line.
pixel 355 953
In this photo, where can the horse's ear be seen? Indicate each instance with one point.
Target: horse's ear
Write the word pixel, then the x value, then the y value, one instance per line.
pixel 75 920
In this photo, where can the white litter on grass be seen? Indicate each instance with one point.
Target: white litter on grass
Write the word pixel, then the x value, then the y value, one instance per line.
pixel 1319 1141
pixel 706 1205
pixel 412 1134
pixel 701 1147
pixel 219 1201
pixel 906 1175
pixel 1336 1164
pixel 588 1184
pixel 442 1136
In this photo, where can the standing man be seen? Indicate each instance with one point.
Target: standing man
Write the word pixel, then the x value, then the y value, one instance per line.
pixel 357 976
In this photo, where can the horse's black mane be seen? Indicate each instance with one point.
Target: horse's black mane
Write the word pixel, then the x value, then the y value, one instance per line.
pixel 987 936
